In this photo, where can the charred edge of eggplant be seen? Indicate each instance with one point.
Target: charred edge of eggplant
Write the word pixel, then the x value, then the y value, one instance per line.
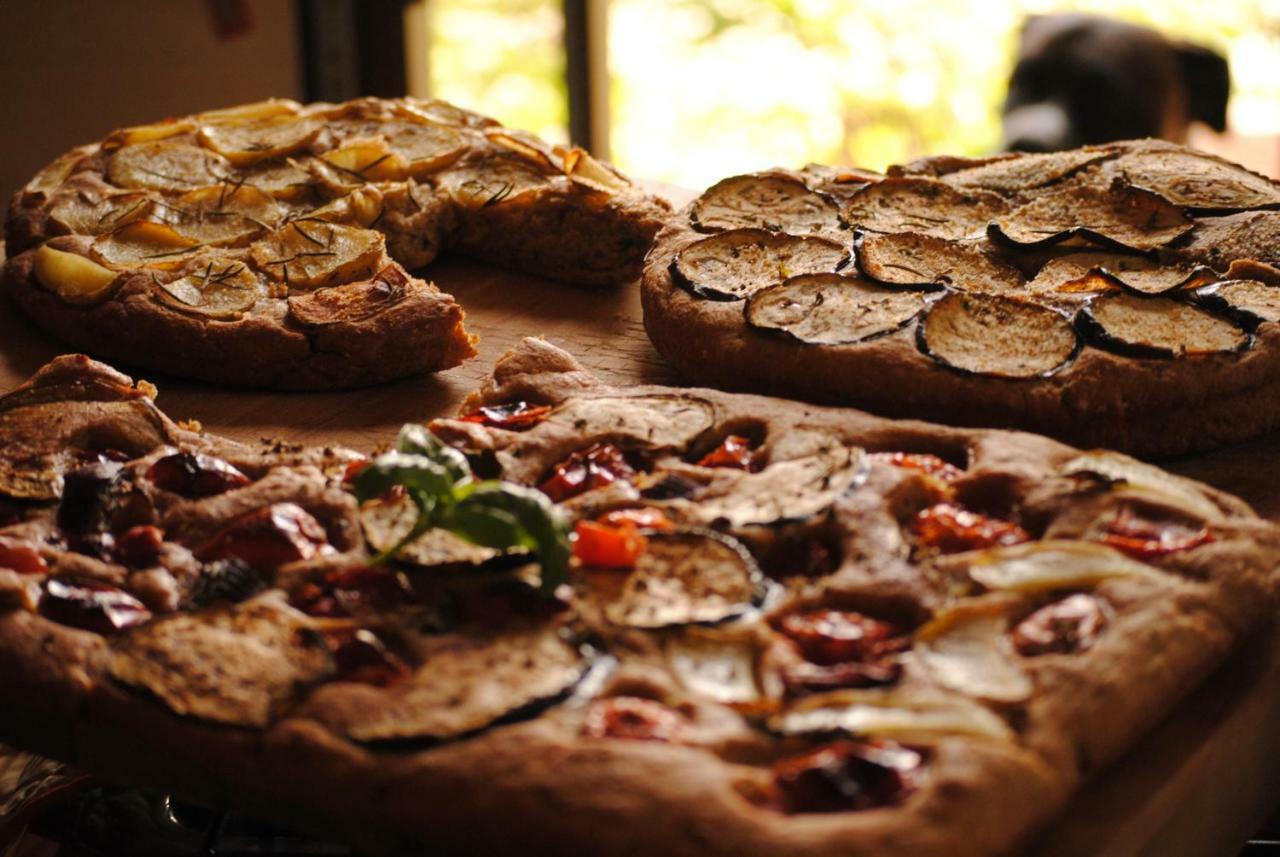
pixel 714 294
pixel 591 658
pixel 859 235
pixel 922 344
pixel 1169 292
pixel 787 335
pixel 859 479
pixel 1212 211
pixel 762 587
pixel 1208 298
pixel 699 227
pixel 1095 333
pixel 996 233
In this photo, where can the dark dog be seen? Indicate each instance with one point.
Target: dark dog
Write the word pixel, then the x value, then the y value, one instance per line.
pixel 1084 79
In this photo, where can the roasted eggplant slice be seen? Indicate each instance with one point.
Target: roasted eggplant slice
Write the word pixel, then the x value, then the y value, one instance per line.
pixel 997 335
pixel 222 289
pixel 461 685
pixel 167 166
pixel 788 489
pixel 682 578
pixel 922 205
pixel 1194 180
pixel 237 666
pixel 831 309
pixel 1248 302
pixel 916 259
pixel 1118 216
pixel 1023 172
pixel 774 203
pixel 1157 327
pixel 661 421
pixel 1081 274
pixel 311 255
pixel 1251 235
pixel 736 264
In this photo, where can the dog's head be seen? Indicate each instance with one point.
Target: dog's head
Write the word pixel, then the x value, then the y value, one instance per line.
pixel 1083 79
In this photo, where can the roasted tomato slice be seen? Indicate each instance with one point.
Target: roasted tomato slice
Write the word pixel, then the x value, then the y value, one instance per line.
pixel 603 546
pixel 91 605
pixel 594 467
pixel 734 451
pixel 950 529
pixel 828 637
pixel 139 547
pixel 844 776
pixel 194 474
pixel 922 461
pixel 269 537
pixel 348 590
pixel 361 656
pixel 805 678
pixel 1148 540
pixel 21 556
pixel 1069 625
pixel 641 518
pixel 516 416
pixel 633 718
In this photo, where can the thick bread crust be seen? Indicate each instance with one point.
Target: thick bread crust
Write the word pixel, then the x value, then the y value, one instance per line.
pixel 553 789
pixel 1153 408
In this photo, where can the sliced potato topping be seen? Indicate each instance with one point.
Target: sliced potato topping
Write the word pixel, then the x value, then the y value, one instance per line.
pixel 736 264
pixel 81 214
pixel 1158 327
pixel 915 259
pixel 492 181
pixel 1130 477
pixel 72 277
pixel 271 107
pixel 681 578
pixel 528 147
pixel 249 141
pixel 660 421
pixel 967 649
pixel 166 166
pixel 1053 564
pixel 223 289
pixel 225 213
pixel 922 205
pixel 1117 216
pixel 283 178
pixel 890 714
pixel 427 146
pixel 148 133
pixel 584 169
pixel 314 254
pixel 54 174
pixel 831 309
pixel 368 161
pixel 997 335
pixel 143 244
pixel 775 203
pixel 718 663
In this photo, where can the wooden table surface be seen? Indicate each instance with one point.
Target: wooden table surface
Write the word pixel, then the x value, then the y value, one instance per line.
pixel 1198 787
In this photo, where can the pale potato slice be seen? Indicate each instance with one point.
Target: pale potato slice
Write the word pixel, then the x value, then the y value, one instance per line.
pixel 584 169
pixel 966 648
pixel 267 109
pixel 283 178
pixel 223 289
pixel 248 142
pixel 228 213
pixel 72 277
pixel 1053 564
pixel 81 214
pixel 499 178
pixel 368 161
pixel 143 244
pixel 148 133
pixel 316 254
pixel 54 174
pixel 166 166
pixel 891 714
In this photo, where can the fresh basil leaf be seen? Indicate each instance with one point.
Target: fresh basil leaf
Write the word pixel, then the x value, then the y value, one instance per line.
pixel 492 512
pixel 419 475
pixel 418 440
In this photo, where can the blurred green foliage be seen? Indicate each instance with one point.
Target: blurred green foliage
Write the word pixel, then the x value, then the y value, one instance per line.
pixel 705 88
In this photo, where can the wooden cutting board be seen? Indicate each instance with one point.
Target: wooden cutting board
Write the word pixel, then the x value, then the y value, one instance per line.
pixel 1197 787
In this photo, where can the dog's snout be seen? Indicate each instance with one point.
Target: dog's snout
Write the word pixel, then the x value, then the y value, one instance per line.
pixel 1041 127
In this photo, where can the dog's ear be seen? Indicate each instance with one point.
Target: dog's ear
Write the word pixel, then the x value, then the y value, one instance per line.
pixel 1207 78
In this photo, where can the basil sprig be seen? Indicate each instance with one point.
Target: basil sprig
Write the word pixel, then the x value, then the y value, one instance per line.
pixel 499 515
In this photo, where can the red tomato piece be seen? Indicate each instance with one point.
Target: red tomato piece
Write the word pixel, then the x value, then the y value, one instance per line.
pixel 735 451
pixel 269 537
pixel 1069 625
pixel 844 776
pixel 601 546
pixel 950 529
pixel 842 636
pixel 361 656
pixel 139 547
pixel 516 416
pixel 633 718
pixel 91 605
pixel 805 678
pixel 193 474
pixel 594 467
pixel 922 461
pixel 348 590
pixel 1148 540
pixel 21 556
